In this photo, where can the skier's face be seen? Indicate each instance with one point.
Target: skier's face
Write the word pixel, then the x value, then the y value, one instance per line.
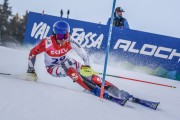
pixel 61 42
pixel 119 13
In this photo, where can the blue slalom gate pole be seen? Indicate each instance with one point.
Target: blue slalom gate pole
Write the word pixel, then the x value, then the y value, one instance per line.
pixel 107 49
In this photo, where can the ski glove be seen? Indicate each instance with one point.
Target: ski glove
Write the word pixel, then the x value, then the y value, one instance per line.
pixel 31 70
pixel 31 75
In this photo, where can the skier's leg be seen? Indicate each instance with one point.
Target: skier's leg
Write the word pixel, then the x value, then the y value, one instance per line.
pixel 86 83
pixel 74 75
pixel 56 71
pixel 98 81
pixel 71 68
pixel 60 70
pixel 110 88
pixel 82 81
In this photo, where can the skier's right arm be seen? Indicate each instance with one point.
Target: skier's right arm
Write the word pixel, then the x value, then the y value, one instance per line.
pixel 32 55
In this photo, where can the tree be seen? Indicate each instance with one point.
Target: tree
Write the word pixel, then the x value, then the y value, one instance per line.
pixel 17 27
pixel 23 26
pixel 5 14
pixel 13 28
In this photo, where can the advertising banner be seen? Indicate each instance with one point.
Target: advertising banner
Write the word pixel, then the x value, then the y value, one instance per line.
pixel 158 54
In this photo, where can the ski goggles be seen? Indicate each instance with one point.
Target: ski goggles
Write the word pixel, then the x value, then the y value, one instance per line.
pixel 62 36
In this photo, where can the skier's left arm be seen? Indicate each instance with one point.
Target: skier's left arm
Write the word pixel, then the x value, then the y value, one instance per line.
pixel 81 52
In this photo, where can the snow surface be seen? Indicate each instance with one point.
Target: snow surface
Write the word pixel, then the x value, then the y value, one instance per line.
pixel 60 99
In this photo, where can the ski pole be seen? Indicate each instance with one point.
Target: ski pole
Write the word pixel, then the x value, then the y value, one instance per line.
pixel 5 74
pixel 87 71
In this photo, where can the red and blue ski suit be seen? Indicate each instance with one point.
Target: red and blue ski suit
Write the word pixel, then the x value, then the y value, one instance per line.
pixel 59 64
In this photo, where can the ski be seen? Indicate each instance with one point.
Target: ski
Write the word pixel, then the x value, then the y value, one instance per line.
pixel 149 104
pixel 121 102
pixel 25 76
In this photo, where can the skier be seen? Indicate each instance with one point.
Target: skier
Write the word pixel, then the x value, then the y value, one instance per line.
pixel 58 64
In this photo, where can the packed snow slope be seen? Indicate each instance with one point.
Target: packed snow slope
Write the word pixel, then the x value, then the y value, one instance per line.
pixel 60 99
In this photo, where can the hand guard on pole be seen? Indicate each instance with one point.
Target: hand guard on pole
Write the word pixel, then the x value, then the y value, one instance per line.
pixel 86 70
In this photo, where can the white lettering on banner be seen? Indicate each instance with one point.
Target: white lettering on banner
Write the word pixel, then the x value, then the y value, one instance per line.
pixel 35 28
pixel 87 39
pixel 131 48
pixel 125 45
pixel 157 54
pixel 40 29
pixel 147 49
pixel 174 53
